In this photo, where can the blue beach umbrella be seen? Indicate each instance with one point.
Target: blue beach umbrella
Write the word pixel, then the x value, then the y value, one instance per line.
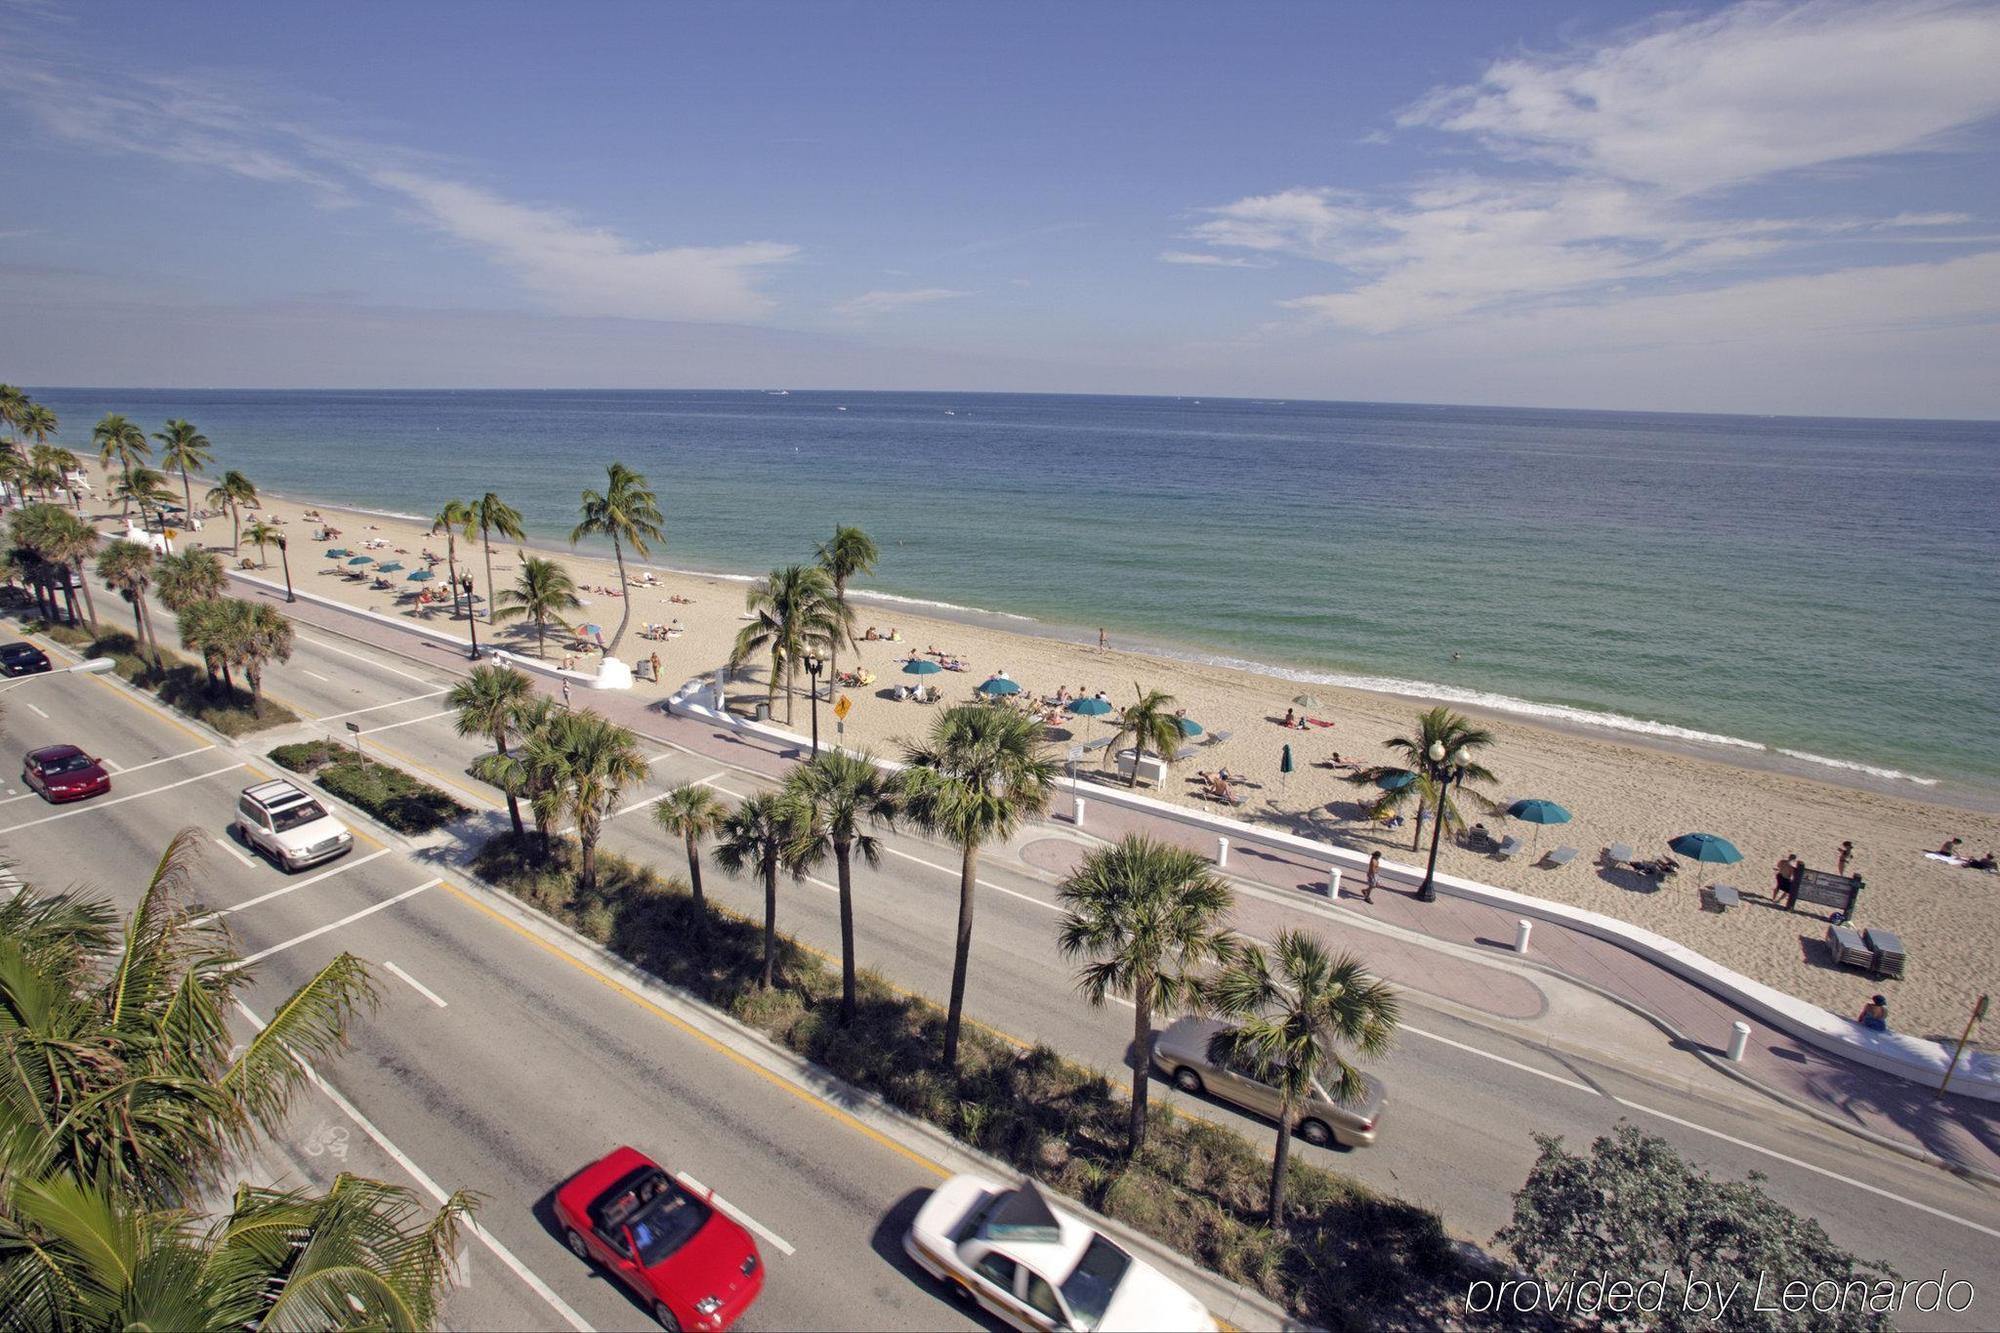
pixel 1190 727
pixel 419 576
pixel 393 567
pixel 362 560
pixel 337 552
pixel 1088 707
pixel 1539 812
pixel 1395 780
pixel 921 666
pixel 1285 764
pixel 1706 847
pixel 999 685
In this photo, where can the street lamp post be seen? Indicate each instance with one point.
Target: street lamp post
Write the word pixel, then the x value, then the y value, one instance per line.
pixel 90 667
pixel 1444 771
pixel 813 667
pixel 286 561
pixel 471 613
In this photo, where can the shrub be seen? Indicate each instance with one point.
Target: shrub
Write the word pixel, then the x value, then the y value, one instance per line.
pixel 180 684
pixel 388 793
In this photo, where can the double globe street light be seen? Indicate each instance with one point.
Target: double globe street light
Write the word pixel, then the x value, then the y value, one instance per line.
pixel 813 667
pixel 1445 771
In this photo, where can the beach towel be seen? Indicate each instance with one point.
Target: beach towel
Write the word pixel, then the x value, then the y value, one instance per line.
pixel 1948 860
pixel 1319 722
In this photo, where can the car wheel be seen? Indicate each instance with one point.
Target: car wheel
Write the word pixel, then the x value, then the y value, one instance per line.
pixel 666 1317
pixel 1316 1133
pixel 1187 1080
pixel 574 1239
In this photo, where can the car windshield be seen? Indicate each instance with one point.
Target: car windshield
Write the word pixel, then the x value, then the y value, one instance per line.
pixel 69 763
pixel 292 816
pixel 1088 1290
pixel 665 1224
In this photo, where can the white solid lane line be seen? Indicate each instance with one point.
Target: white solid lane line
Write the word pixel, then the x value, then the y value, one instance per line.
pixel 374 662
pixel 235 851
pixel 416 985
pixel 430 1187
pixel 409 722
pixel 1847 1180
pixel 778 1242
pixel 349 919
pixel 155 763
pixel 1042 903
pixel 348 864
pixel 116 800
pixel 376 708
pixel 110 766
pixel 1498 1059
pixel 36 711
pixel 315 675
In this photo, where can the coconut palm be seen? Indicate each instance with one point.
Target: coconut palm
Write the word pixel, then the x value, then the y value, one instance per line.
pixel 1441 737
pixel 851 552
pixel 629 514
pixel 261 633
pixel 185 450
pixel 796 615
pixel 262 534
pixel 488 703
pixel 453 520
pixel 1289 1014
pixel 233 491
pixel 1150 918
pixel 13 403
pixel 492 514
pixel 70 542
pixel 127 569
pixel 118 438
pixel 207 628
pixel 145 487
pixel 188 577
pixel 542 593
pixel 1150 721
pixel 757 833
pixel 836 798
pixel 14 469
pixel 36 422
pixel 599 759
pixel 979 773
pixel 50 466
pixel 533 770
pixel 691 812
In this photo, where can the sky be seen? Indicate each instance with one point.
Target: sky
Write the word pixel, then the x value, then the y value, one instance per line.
pixel 1753 207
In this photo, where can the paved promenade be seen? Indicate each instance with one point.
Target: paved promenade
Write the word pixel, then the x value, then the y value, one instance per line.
pixel 1956 1130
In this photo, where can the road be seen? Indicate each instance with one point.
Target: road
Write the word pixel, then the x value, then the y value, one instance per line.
pixel 1466 1093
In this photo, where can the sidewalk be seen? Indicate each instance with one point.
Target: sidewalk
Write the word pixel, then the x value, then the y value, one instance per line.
pixel 1955 1131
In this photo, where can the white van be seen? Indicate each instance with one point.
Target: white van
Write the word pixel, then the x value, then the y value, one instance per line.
pixel 289 826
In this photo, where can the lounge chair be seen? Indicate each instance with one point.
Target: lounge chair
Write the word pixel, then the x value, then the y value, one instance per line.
pixel 1559 858
pixel 1617 854
pixel 1721 897
pixel 1509 847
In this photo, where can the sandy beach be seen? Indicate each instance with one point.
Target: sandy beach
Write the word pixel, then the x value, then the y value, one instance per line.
pixel 1617 791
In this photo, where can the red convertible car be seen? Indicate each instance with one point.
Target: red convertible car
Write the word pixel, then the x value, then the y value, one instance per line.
pixel 693 1267
pixel 64 773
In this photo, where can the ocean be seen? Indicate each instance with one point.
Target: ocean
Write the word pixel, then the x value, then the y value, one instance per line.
pixel 1827 590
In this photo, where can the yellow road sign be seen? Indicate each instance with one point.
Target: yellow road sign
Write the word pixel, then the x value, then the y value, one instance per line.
pixel 841 707
pixel 170 533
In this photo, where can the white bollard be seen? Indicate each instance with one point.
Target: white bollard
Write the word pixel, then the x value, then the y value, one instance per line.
pixel 1079 812
pixel 1221 852
pixel 1739 1038
pixel 1523 928
pixel 1333 882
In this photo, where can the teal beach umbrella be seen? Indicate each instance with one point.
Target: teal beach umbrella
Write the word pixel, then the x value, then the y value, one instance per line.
pixel 337 553
pixel 1538 813
pixel 393 567
pixel 999 685
pixel 419 576
pixel 362 560
pixel 921 666
pixel 1706 849
pixel 1190 727
pixel 1394 780
pixel 1088 707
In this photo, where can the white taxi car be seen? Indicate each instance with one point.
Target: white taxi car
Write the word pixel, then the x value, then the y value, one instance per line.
pixel 290 827
pixel 1036 1268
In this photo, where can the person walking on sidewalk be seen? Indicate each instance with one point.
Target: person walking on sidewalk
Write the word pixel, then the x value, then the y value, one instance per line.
pixel 565 696
pixel 1374 874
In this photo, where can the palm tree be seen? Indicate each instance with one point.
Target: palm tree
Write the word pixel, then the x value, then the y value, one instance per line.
pixel 851 552
pixel 453 519
pixel 144 487
pixel 599 760
pixel 977 776
pixel 117 437
pixel 208 628
pixel 36 530
pixel 71 542
pixel 835 799
pixel 263 534
pixel 758 832
pixel 691 812
pixel 492 514
pixel 1442 738
pixel 1150 721
pixel 189 577
pixel 50 466
pixel 488 703
pixel 35 422
pixel 185 450
pixel 14 471
pixel 534 770
pixel 1290 1013
pixel 542 593
pixel 1149 917
pixel 234 491
pixel 796 616
pixel 629 514
pixel 127 569
pixel 261 633
pixel 13 403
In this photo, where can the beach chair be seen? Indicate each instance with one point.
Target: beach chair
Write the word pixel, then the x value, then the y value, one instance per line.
pixel 1848 949
pixel 1559 858
pixel 1217 737
pixel 1617 854
pixel 1886 951
pixel 1509 848
pixel 1720 897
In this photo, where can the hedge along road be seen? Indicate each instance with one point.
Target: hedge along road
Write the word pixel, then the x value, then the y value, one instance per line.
pixel 529 1068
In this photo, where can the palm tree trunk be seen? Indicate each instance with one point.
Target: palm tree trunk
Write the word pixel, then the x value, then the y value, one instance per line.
pixel 791 689
pixel 1418 837
pixel 770 913
pixel 89 606
pixel 586 846
pixel 486 548
pixel 187 496
pixel 771 690
pixel 541 638
pixel 228 682
pixel 451 568
pixel 235 527
pixel 840 857
pixel 961 956
pixel 256 675
pixel 1279 1161
pixel 694 879
pixel 513 802
pixel 624 605
pixel 1142 1060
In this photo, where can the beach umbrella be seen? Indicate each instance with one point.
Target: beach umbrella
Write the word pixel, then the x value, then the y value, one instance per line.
pixel 1538 812
pixel 999 685
pixel 1190 727
pixel 337 553
pixel 1088 707
pixel 419 576
pixel 1706 849
pixel 1307 700
pixel 362 560
pixel 590 631
pixel 1285 764
pixel 393 567
pixel 1394 780
pixel 921 666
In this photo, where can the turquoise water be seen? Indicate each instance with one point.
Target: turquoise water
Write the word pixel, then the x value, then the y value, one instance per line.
pixel 1829 588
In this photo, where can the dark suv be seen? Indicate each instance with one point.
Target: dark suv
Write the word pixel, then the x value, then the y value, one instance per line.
pixel 22 659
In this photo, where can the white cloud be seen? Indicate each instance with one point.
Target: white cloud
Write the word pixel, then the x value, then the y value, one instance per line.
pixel 1203 259
pixel 869 304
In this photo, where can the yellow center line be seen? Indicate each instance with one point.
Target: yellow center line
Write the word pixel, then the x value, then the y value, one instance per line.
pixel 776 1080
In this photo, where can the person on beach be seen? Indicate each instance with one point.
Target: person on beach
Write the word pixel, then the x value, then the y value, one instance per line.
pixel 565 696
pixel 1783 873
pixel 1875 1015
pixel 1102 642
pixel 656 668
pixel 1985 862
pixel 1289 719
pixel 1374 876
pixel 1789 885
pixel 1846 855
pixel 1950 848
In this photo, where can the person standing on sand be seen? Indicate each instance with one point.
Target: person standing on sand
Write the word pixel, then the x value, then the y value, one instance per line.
pixel 1846 855
pixel 1102 642
pixel 1374 875
pixel 656 668
pixel 1783 871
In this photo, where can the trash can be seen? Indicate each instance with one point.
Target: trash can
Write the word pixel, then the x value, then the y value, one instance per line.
pixel 763 713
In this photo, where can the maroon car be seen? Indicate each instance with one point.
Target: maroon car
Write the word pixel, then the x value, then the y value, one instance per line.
pixel 64 773
pixel 687 1261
